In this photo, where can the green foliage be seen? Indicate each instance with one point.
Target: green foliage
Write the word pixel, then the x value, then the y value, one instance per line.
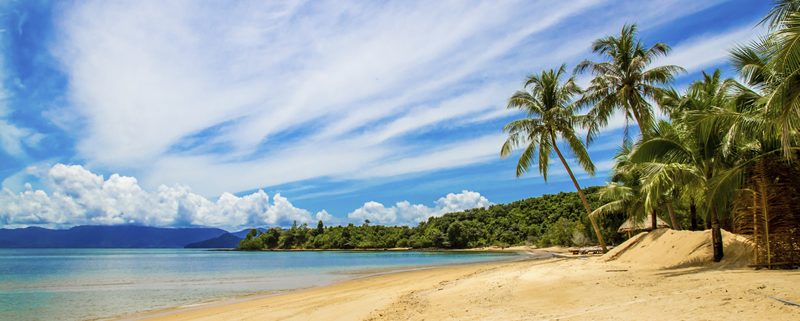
pixel 545 220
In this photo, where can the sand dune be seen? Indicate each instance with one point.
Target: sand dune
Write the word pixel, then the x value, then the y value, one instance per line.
pixel 635 285
pixel 669 249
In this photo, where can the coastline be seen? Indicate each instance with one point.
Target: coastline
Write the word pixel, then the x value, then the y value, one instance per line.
pixel 516 254
pixel 526 289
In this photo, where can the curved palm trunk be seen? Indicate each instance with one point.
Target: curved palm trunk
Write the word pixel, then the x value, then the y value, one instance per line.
pixel 595 227
pixel 637 118
pixel 638 121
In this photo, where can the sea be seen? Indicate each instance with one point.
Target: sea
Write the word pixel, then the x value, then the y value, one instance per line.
pixel 91 284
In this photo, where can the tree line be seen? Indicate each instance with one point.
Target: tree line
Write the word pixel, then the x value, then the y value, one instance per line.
pixel 556 219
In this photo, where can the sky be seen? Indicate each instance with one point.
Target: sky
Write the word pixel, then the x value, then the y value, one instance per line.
pixel 235 114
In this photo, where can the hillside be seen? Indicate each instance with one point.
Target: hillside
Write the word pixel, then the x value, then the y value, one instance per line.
pixel 224 241
pixel 553 219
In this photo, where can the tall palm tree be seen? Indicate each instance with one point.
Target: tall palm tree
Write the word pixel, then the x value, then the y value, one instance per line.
pixel 624 80
pixel 550 108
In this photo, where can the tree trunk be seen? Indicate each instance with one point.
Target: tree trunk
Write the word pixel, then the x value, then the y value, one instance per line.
pixel 639 123
pixel 653 220
pixel 716 235
pixel 755 225
pixel 595 227
pixel 675 225
pixel 693 215
pixel 638 120
pixel 762 186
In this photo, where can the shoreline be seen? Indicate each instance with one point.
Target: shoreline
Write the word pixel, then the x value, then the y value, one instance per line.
pixel 514 255
pixel 523 289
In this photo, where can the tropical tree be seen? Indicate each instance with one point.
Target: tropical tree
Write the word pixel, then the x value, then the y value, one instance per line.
pixel 623 193
pixel 550 110
pixel 624 81
pixel 770 67
pixel 691 154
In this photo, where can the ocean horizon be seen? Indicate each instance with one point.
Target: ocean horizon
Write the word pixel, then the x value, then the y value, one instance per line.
pixel 85 284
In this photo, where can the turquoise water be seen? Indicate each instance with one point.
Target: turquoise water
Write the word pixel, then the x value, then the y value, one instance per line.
pixel 80 284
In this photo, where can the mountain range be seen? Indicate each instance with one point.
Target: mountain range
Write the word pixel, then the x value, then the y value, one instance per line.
pixel 119 236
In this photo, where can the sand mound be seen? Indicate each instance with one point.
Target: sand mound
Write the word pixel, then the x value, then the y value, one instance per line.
pixel 669 249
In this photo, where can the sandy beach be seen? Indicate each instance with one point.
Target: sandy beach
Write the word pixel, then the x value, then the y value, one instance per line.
pixel 616 286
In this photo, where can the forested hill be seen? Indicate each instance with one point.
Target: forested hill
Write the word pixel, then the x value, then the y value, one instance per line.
pixel 550 219
pixel 554 219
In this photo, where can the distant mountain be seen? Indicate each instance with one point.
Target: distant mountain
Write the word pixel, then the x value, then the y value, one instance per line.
pixel 91 236
pixel 241 234
pixel 224 241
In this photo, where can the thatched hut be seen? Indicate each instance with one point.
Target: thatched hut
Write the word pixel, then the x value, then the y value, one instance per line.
pixel 643 223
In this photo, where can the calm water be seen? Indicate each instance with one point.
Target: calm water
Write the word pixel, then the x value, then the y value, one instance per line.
pixel 78 284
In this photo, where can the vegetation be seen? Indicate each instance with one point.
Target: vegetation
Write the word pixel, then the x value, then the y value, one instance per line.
pixel 550 110
pixel 717 150
pixel 547 220
pixel 725 156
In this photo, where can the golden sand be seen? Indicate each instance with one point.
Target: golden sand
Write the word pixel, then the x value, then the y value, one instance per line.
pixel 637 281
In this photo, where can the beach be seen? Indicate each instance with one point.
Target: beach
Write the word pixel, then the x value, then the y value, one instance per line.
pixel 610 287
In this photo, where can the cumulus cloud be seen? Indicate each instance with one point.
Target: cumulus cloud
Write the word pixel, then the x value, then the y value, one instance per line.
pixel 406 213
pixel 72 195
pixel 77 196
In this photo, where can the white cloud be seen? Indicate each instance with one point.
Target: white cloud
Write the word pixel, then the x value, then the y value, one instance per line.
pixel 345 82
pixel 406 213
pixel 13 138
pixel 709 49
pixel 324 216
pixel 462 201
pixel 375 212
pixel 77 196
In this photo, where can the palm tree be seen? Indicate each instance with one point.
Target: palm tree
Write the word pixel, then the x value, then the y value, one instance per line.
pixel 770 67
pixel 623 193
pixel 550 108
pixel 693 153
pixel 780 12
pixel 623 80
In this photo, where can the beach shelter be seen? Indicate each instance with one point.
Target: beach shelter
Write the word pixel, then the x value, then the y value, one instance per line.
pixel 642 223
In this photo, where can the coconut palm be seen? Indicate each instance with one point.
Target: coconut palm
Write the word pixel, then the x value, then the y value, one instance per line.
pixel 623 81
pixel 550 115
pixel 770 67
pixel 692 154
pixel 662 184
pixel 780 12
pixel 623 193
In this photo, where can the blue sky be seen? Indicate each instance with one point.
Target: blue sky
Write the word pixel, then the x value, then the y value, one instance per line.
pixel 298 110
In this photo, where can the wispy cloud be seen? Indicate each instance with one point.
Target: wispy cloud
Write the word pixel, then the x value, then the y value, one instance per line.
pixel 269 93
pixel 708 50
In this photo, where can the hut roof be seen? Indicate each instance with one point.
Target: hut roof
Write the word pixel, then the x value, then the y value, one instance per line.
pixel 642 223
